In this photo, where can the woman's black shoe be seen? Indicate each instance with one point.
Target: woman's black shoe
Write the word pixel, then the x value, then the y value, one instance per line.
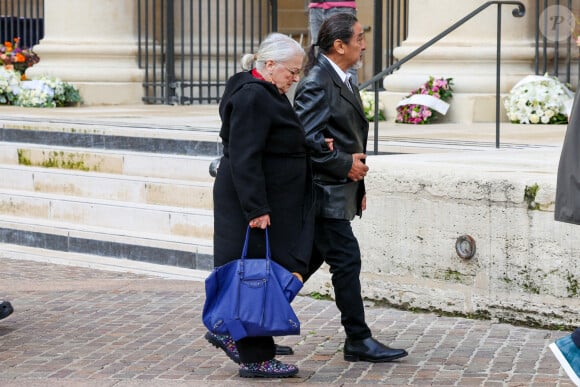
pixel 5 309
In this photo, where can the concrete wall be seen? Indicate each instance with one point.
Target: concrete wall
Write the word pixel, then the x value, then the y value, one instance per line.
pixel 526 267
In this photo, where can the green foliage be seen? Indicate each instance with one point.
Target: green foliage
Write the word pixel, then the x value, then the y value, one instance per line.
pixel 530 193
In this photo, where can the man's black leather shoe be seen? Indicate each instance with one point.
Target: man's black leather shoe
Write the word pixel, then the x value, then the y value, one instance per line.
pixel 282 350
pixel 370 350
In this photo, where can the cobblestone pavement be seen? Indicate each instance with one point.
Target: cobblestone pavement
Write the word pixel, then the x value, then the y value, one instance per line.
pixel 85 327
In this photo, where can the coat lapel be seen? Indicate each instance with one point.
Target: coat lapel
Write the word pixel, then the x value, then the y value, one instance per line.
pixel 353 97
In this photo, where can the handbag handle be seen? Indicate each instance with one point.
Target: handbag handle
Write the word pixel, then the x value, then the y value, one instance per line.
pixel 245 251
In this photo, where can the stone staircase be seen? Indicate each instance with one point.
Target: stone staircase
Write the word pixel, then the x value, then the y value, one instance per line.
pixel 137 193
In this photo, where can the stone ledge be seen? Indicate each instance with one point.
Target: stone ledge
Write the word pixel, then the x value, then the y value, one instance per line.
pixel 526 265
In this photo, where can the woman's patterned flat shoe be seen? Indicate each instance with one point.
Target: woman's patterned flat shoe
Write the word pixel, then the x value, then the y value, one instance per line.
pixel 267 369
pixel 226 343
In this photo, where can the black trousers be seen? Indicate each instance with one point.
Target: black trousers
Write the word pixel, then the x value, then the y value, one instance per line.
pixel 335 244
pixel 256 349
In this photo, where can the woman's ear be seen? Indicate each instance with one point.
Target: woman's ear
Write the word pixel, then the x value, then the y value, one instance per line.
pixel 270 65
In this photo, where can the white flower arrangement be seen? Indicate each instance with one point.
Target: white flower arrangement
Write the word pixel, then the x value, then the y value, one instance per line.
pixel 539 100
pixel 368 101
pixel 9 85
pixel 42 92
pixel 47 92
pixel 35 93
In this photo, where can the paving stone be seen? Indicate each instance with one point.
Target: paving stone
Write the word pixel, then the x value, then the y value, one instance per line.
pixel 78 326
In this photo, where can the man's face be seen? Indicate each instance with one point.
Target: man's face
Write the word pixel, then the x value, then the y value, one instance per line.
pixel 354 50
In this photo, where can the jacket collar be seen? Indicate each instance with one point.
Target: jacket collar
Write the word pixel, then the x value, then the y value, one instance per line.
pixel 351 96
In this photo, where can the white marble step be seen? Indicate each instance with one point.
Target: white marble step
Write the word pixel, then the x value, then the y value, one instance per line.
pixel 135 189
pixel 127 163
pixel 193 253
pixel 90 261
pixel 115 215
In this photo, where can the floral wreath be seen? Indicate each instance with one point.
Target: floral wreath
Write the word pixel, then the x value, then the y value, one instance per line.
pixel 538 99
pixel 423 105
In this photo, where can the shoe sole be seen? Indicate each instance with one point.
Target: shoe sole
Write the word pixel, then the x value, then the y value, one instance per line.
pixel 564 363
pixel 282 350
pixel 355 358
pixel 256 374
pixel 218 344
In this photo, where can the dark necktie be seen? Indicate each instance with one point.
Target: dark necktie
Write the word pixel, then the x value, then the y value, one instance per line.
pixel 348 84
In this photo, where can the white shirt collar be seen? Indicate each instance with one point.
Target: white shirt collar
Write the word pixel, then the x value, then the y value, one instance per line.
pixel 343 76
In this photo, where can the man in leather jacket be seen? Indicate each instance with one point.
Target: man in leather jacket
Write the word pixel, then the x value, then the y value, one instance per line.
pixel 320 10
pixel 331 111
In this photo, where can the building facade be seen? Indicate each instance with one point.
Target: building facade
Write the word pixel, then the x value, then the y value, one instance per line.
pixel 96 45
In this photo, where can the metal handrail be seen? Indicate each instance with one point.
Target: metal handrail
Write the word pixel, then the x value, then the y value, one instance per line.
pixel 517 12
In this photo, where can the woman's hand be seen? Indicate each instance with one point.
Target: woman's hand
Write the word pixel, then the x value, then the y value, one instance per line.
pixel 260 222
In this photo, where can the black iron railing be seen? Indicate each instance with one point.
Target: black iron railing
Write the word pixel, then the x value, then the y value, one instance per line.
pixel 189 49
pixel 377 79
pixel 556 31
pixel 23 19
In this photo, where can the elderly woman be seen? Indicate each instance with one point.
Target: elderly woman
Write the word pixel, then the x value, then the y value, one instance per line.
pixel 263 181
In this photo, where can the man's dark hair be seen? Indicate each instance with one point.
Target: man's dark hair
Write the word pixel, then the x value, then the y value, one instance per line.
pixel 338 26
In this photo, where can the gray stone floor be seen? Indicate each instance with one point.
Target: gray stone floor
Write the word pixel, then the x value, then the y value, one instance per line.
pixel 86 327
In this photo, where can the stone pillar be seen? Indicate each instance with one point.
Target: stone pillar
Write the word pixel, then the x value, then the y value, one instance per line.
pixel 468 55
pixel 92 44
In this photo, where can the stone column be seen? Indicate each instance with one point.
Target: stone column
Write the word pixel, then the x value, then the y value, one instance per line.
pixel 92 44
pixel 468 55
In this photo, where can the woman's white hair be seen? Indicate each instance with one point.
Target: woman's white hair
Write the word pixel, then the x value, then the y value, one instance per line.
pixel 277 47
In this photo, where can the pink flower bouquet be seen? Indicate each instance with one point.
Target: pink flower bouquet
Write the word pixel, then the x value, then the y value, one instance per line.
pixel 422 105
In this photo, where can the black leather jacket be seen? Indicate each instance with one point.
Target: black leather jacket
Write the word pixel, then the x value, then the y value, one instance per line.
pixel 327 108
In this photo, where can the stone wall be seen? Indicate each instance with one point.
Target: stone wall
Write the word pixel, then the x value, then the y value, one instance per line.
pixel 526 266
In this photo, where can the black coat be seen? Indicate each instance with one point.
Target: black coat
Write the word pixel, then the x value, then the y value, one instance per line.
pixel 567 207
pixel 265 170
pixel 327 108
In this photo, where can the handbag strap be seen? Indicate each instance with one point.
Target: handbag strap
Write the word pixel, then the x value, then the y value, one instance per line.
pixel 245 251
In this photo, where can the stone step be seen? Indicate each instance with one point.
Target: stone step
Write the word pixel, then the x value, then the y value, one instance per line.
pixel 114 215
pixel 128 163
pixel 20 252
pixel 191 141
pixel 88 185
pixel 73 238
pixel 114 190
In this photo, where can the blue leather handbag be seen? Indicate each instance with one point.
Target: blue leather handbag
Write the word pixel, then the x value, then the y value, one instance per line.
pixel 251 297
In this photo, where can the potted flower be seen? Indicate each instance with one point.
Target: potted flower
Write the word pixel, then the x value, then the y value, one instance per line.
pixel 13 57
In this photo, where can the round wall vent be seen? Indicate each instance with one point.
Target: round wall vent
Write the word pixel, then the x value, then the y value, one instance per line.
pixel 465 246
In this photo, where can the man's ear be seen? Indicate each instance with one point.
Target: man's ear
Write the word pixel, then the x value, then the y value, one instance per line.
pixel 338 46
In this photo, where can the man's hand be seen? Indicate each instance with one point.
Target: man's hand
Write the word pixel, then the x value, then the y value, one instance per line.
pixel 358 170
pixel 329 143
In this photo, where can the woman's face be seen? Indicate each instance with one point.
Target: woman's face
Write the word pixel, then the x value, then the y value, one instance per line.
pixel 284 74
